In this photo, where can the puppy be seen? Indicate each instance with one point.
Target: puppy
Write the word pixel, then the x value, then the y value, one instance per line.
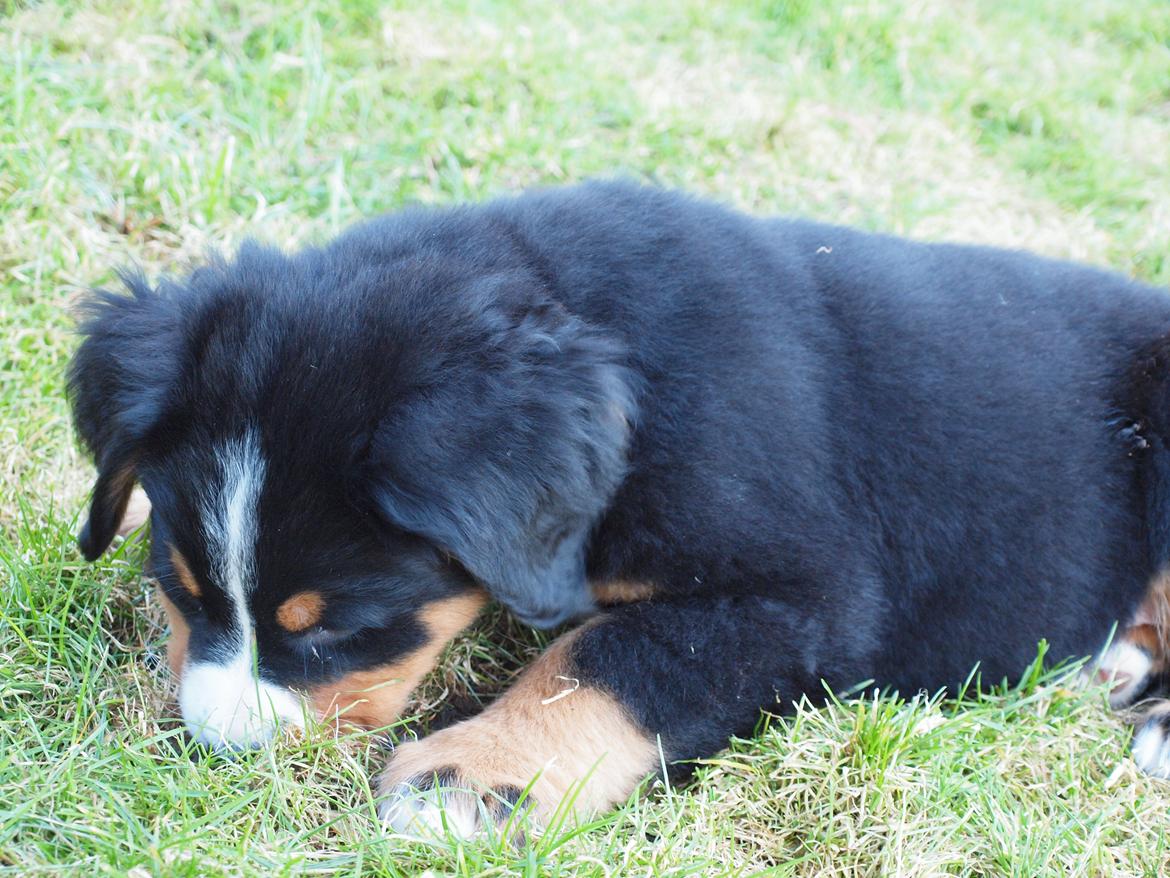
pixel 748 456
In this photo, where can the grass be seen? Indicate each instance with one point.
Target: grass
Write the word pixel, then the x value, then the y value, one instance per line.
pixel 150 132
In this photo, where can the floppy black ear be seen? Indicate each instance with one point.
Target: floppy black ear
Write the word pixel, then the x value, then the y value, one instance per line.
pixel 511 449
pixel 118 381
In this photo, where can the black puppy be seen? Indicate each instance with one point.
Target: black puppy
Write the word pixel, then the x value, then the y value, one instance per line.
pixel 751 455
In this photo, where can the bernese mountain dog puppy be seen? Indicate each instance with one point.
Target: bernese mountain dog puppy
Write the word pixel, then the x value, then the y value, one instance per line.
pixel 748 457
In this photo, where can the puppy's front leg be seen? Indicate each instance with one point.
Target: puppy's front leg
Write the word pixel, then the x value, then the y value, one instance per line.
pixel 583 724
pixel 551 726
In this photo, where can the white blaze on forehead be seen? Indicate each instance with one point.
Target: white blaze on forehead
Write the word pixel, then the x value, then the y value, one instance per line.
pixel 230 520
pixel 224 703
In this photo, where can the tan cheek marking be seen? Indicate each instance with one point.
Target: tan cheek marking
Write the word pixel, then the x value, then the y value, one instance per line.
pixel 180 635
pixel 186 577
pixel 301 611
pixel 622 591
pixel 376 697
pixel 550 725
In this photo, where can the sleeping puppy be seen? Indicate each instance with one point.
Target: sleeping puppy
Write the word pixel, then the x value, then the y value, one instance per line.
pixel 745 455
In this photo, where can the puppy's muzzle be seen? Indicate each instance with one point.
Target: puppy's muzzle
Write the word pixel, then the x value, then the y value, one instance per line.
pixel 226 707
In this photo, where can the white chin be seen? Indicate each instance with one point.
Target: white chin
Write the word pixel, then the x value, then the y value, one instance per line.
pixel 227 708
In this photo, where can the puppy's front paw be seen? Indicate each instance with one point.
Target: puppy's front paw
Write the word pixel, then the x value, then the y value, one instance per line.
pixel 436 788
pixel 549 747
pixel 448 804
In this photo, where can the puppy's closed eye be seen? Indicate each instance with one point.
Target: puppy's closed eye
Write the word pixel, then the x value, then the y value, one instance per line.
pixel 319 636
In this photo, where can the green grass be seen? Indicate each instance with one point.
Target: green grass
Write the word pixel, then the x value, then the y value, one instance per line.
pixel 149 132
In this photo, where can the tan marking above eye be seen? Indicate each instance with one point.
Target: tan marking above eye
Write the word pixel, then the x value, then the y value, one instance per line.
pixel 303 610
pixel 186 577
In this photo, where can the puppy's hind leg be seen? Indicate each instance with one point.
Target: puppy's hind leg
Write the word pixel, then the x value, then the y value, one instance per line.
pixel 1137 666
pixel 1137 663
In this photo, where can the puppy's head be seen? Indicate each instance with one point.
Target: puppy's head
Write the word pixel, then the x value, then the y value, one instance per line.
pixel 345 451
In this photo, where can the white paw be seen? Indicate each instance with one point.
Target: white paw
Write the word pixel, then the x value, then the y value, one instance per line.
pixel 442 807
pixel 1151 745
pixel 424 814
pixel 1126 668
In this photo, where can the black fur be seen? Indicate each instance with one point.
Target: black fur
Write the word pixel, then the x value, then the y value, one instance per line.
pixel 835 455
pixel 116 383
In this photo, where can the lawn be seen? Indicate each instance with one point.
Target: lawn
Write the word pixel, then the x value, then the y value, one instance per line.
pixel 150 132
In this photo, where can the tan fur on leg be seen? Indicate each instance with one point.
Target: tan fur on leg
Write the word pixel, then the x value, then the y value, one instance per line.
pixel 1141 650
pixel 569 737
pixel 622 591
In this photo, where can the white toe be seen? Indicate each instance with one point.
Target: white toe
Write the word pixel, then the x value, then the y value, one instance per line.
pixel 1151 747
pixel 428 814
